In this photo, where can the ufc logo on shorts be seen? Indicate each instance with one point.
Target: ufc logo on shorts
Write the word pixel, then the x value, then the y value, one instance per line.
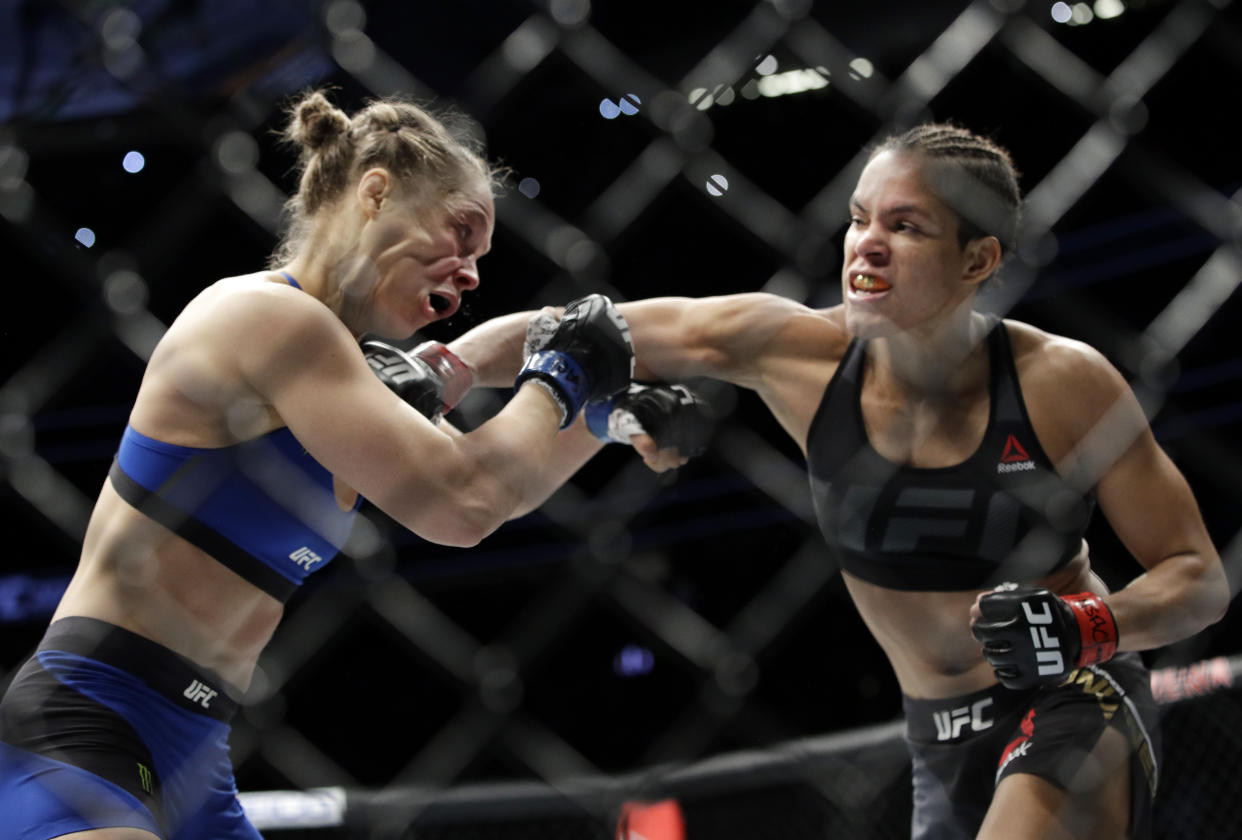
pixel 199 693
pixel 949 722
pixel 1049 661
pixel 305 558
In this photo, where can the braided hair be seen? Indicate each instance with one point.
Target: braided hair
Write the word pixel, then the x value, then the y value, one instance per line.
pixel 978 181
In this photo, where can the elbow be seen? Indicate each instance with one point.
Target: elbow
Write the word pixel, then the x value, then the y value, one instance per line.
pixel 462 518
pixel 459 526
pixel 1214 591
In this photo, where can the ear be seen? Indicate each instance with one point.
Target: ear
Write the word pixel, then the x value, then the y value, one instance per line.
pixel 983 257
pixel 374 187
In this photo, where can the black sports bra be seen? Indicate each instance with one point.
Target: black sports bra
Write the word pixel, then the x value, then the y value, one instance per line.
pixel 1002 514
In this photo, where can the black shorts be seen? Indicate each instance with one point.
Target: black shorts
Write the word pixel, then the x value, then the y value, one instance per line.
pixel 103 728
pixel 961 747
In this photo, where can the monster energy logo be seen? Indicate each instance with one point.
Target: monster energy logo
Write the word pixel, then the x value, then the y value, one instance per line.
pixel 144 777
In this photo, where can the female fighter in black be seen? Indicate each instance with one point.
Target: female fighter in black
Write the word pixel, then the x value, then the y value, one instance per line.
pixel 954 461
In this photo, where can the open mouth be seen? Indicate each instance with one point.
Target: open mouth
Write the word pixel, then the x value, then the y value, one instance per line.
pixel 869 284
pixel 440 303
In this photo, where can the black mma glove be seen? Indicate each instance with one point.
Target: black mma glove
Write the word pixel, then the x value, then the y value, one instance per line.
pixel 430 377
pixel 673 415
pixel 1031 636
pixel 587 356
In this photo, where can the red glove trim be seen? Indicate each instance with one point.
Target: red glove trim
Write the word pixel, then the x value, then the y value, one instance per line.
pixel 455 376
pixel 1096 626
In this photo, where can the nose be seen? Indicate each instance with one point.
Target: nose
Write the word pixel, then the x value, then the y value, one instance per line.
pixel 871 242
pixel 467 276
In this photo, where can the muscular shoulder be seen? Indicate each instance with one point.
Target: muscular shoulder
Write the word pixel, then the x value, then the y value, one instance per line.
pixel 1069 387
pixel 226 350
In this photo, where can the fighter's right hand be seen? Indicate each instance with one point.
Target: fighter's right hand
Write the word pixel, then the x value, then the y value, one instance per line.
pixel 588 356
pixel 430 377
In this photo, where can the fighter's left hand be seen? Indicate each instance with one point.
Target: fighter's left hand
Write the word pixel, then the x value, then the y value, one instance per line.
pixel 1031 636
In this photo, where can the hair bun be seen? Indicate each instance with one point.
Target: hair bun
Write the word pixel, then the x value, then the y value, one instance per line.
pixel 316 122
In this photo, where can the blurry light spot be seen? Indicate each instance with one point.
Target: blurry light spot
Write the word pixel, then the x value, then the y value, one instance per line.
pixel 627 104
pixel 750 90
pixel 861 68
pixel 766 67
pixel 526 47
pixel 236 152
pixel 354 51
pixel 344 16
pixel 717 185
pixel 17 436
pixel 699 99
pixel 13 165
pixel 124 62
pixel 120 28
pixel 125 291
pixel 528 187
pixel 794 81
pixel 1061 12
pixel 633 661
pixel 1082 14
pixel 570 12
pixel 85 236
pixel 580 255
pixel 1108 9
pixel 133 162
pixel 725 97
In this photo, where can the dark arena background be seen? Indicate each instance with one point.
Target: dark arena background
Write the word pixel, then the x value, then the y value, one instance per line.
pixel 682 638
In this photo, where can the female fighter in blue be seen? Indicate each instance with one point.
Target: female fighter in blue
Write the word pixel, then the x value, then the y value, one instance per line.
pixel 259 424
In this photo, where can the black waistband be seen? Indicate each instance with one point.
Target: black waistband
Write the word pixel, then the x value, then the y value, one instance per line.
pixel 189 686
pixel 950 719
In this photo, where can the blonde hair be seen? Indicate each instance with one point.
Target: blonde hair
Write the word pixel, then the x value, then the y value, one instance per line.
pixel 414 145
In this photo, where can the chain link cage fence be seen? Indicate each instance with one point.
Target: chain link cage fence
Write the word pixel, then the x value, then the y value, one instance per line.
pixel 640 637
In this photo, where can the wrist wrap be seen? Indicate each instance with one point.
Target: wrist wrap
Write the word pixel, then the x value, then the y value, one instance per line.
pixel 1096 627
pixel 562 376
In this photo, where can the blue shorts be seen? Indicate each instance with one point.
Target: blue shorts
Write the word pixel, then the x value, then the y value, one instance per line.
pixel 961 747
pixel 103 728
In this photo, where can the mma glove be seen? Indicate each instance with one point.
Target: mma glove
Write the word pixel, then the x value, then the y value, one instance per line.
pixel 1032 637
pixel 673 415
pixel 587 355
pixel 430 377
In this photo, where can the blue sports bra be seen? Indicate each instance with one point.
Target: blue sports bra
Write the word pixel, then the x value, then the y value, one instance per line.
pixel 264 508
pixel 1002 514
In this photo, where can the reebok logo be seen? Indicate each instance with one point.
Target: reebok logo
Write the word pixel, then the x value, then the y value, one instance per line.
pixel 1019 746
pixel 1014 458
pixel 305 558
pixel 199 693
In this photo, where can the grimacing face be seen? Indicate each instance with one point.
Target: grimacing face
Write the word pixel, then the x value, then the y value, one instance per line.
pixel 426 258
pixel 903 267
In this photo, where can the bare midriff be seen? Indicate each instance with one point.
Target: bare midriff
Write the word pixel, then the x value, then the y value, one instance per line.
pixel 138 575
pixel 926 635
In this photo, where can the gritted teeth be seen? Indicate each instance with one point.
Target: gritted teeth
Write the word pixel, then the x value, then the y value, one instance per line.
pixel 869 283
